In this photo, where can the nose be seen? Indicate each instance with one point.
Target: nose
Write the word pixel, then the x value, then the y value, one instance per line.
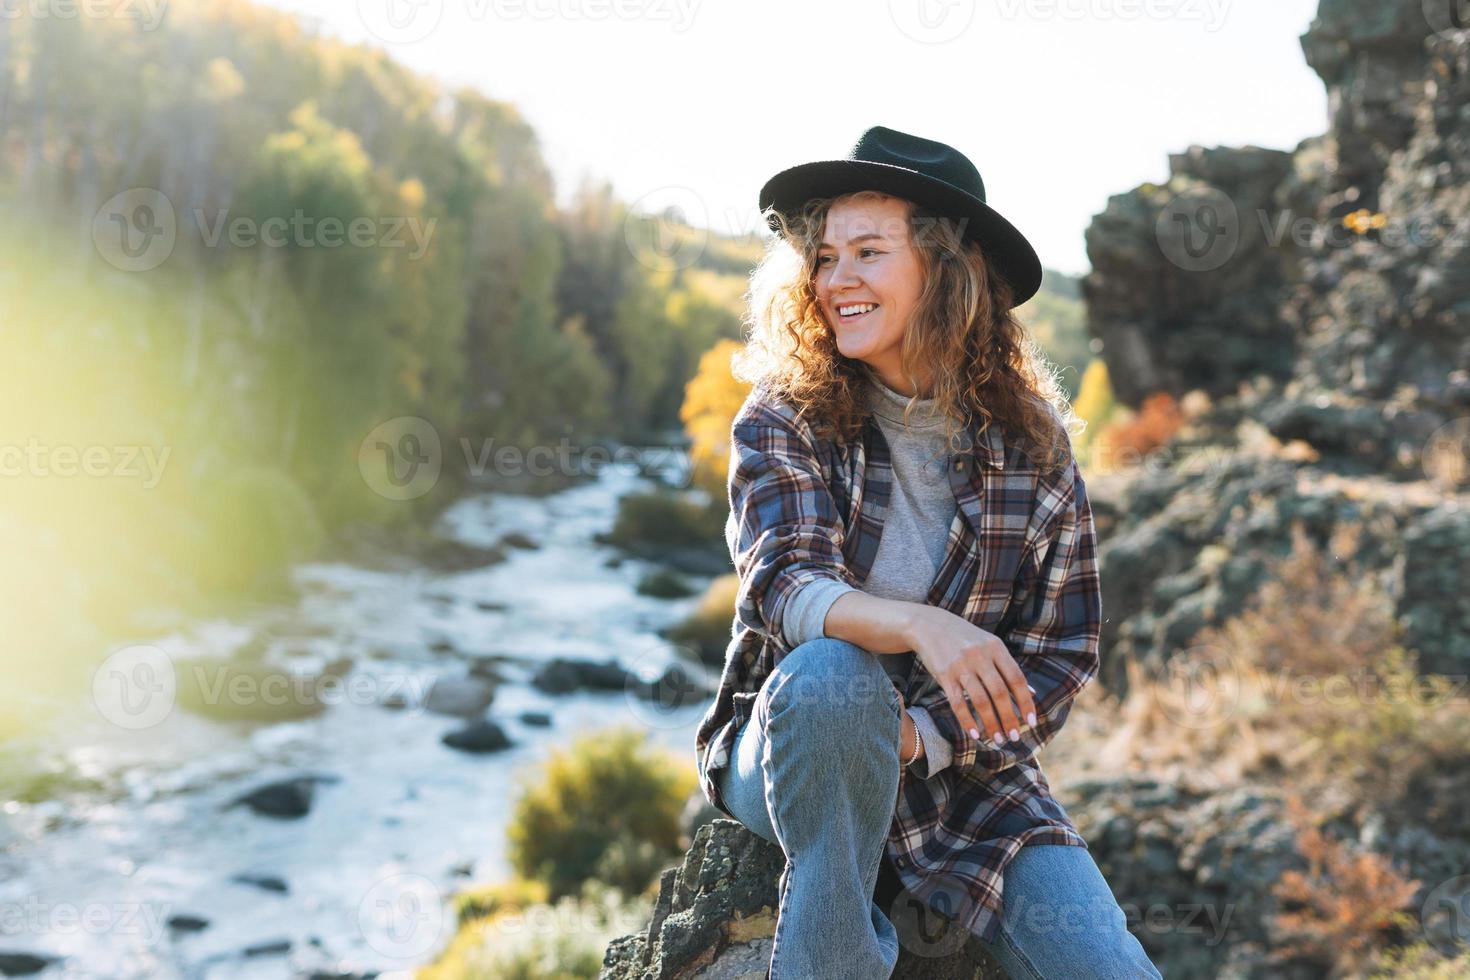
pixel 843 275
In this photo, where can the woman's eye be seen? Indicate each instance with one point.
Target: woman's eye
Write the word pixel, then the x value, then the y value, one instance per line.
pixel 822 259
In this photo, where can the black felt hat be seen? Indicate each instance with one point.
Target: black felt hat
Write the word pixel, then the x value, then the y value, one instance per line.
pixel 926 172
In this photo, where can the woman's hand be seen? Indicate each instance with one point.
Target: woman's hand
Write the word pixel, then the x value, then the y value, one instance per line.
pixel 967 660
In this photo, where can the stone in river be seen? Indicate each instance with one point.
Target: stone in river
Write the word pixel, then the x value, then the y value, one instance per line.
pixel 465 697
pixel 481 736
pixel 286 798
pixel 270 883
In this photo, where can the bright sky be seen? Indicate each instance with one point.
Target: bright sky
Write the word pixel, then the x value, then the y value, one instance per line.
pixel 1059 103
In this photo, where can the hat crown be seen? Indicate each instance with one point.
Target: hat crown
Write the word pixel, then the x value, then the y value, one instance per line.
pixel 879 144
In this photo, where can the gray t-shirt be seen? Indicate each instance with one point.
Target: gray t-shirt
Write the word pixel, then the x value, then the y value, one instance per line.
pixel 915 531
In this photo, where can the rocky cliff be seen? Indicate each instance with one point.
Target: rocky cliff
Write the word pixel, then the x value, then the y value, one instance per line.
pixel 1320 298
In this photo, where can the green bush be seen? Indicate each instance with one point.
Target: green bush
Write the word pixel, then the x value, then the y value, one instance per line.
pixel 662 519
pixel 609 794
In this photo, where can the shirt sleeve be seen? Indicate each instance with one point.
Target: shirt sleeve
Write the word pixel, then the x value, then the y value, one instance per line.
pixel 1054 637
pixel 784 531
pixel 806 612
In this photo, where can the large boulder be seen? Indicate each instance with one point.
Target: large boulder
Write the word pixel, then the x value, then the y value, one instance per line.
pixel 716 915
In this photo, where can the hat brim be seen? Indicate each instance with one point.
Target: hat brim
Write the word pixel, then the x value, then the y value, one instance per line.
pixel 1002 244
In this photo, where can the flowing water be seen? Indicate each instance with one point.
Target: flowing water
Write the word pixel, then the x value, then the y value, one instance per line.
pixel 398 823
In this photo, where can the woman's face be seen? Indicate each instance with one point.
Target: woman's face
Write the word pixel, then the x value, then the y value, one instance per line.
pixel 866 257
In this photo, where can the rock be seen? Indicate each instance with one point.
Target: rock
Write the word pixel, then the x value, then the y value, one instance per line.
pixel 485 605
pixel 226 691
pixel 517 539
pixel 338 667
pixel 715 917
pixel 697 812
pixel 664 584
pixel 268 947
pixel 270 883
pixel 183 922
pixel 481 736
pixel 564 675
pixel 540 719
pixel 286 799
pixel 465 697
pixel 20 964
pixel 674 688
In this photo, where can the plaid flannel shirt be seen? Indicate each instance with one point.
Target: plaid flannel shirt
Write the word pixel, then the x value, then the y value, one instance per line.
pixel 1021 562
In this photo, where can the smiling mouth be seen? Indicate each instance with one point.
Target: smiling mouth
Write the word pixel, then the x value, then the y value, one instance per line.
pixel 857 316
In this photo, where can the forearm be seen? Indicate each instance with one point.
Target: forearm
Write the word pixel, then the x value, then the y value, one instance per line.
pixel 875 624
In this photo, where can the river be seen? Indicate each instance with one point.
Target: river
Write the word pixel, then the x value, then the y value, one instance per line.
pixel 398 823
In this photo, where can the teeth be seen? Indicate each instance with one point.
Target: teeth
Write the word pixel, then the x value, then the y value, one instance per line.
pixel 858 308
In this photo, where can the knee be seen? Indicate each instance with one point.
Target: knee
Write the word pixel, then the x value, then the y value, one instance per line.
pixel 835 681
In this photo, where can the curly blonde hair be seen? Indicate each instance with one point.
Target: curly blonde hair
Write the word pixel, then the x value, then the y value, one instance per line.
pixel 982 363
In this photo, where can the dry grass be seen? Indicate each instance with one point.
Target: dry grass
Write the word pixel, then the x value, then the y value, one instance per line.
pixel 1309 684
pixel 1343 907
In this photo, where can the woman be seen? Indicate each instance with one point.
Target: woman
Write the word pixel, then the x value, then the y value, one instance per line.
pixel 919 601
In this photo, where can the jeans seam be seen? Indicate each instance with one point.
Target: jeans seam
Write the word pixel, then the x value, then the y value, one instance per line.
pixel 897 705
pixel 1019 954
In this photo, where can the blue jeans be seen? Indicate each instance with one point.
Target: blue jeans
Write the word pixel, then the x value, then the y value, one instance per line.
pixel 816 771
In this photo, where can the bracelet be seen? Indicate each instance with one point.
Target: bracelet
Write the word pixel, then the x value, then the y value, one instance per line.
pixel 918 745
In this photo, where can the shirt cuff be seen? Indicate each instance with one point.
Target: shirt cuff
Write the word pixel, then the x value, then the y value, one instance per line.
pixel 937 751
pixel 805 616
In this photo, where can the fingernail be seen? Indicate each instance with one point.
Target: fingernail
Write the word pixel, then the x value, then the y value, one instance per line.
pixel 975 735
pixel 1015 735
pixel 1031 718
pixel 1030 688
pixel 1000 738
